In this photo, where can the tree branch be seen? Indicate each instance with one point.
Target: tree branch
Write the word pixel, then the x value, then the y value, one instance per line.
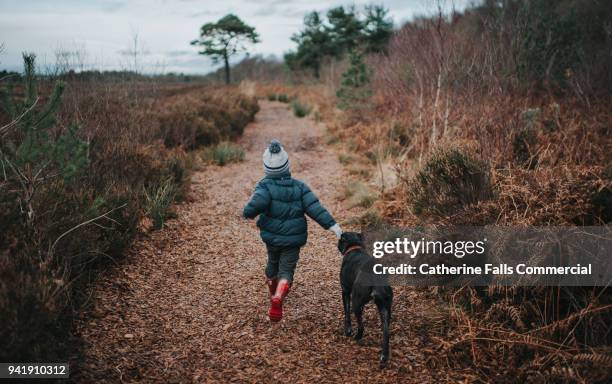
pixel 52 248
pixel 4 129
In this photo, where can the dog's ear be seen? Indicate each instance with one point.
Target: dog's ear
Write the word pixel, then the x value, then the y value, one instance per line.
pixel 342 243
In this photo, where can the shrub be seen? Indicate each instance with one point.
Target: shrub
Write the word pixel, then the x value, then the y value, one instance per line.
pixel 181 127
pixel 97 182
pixel 272 97
pixel 299 109
pixel 206 119
pixel 41 203
pixel 449 180
pixel 30 153
pixel 224 153
pixel 282 97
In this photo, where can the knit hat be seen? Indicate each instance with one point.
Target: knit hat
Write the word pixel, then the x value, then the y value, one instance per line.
pixel 275 159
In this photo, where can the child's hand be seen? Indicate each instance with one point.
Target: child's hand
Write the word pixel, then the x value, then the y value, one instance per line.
pixel 336 230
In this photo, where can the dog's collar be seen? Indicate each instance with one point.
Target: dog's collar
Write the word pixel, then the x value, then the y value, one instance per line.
pixel 351 249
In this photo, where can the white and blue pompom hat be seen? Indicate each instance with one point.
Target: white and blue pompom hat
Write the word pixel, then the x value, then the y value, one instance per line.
pixel 275 159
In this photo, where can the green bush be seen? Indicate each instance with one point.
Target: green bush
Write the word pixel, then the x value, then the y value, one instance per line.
pixel 449 180
pixel 282 97
pixel 525 139
pixel 224 153
pixel 41 203
pixel 299 109
pixel 272 97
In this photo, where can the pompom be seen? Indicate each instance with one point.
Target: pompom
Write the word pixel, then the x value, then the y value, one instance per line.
pixel 275 146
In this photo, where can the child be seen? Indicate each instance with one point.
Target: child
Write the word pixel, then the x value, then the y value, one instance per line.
pixel 281 202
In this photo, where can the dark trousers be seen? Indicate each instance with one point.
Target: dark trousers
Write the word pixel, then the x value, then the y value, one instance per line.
pixel 282 262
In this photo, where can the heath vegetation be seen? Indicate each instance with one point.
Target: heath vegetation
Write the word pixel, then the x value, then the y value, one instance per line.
pixel 496 115
pixel 499 115
pixel 85 165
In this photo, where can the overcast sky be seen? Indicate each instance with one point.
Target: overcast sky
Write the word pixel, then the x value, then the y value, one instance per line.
pixel 102 31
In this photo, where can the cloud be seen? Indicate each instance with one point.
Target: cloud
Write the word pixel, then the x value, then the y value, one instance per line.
pixel 285 11
pixel 112 6
pixel 165 27
pixel 207 13
pixel 178 53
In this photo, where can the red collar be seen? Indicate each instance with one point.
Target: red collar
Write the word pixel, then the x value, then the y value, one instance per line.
pixel 351 248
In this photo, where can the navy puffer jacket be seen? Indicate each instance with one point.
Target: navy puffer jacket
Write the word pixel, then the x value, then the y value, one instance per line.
pixel 281 203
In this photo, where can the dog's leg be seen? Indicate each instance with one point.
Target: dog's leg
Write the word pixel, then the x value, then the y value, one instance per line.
pixel 359 315
pixel 360 296
pixel 384 310
pixel 346 301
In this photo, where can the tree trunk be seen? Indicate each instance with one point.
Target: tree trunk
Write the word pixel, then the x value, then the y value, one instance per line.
pixel 227 69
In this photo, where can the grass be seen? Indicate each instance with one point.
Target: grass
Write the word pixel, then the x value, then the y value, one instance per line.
pixel 359 195
pixel 369 219
pixel 345 158
pixel 281 97
pixel 224 153
pixel 300 110
pixel 158 200
pixel 331 139
pixel 362 171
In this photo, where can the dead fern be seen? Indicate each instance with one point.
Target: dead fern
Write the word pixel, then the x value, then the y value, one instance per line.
pixel 595 359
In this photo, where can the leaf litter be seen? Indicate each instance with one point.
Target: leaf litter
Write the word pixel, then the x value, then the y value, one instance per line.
pixel 189 303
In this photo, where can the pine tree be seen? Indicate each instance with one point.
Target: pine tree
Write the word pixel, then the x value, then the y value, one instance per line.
pixel 224 39
pixel 344 29
pixel 354 91
pixel 31 154
pixel 378 29
pixel 313 44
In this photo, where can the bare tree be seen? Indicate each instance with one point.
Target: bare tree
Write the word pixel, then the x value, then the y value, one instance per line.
pixel 135 51
pixel 69 59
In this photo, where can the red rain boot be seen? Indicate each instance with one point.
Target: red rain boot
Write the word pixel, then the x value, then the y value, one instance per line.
pixel 272 284
pixel 276 302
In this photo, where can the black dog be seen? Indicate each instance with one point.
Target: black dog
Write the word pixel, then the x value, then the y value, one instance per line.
pixel 359 286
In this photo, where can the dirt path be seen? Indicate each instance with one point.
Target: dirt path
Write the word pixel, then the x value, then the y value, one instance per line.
pixel 189 303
